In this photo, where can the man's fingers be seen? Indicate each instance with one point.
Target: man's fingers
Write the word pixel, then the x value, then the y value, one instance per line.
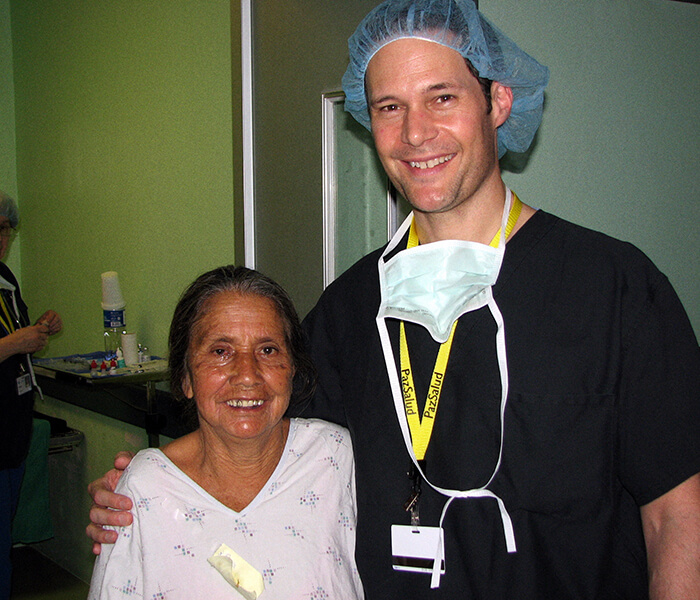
pixel 100 536
pixel 122 459
pixel 104 516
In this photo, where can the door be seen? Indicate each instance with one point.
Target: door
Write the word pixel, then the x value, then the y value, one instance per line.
pixel 299 54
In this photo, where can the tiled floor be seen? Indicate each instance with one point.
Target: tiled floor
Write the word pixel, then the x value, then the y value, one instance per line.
pixel 35 577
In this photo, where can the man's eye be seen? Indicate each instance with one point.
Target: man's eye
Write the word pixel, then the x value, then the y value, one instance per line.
pixel 268 350
pixel 389 108
pixel 445 98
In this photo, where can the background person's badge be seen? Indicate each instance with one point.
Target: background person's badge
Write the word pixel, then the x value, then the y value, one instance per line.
pixel 24 384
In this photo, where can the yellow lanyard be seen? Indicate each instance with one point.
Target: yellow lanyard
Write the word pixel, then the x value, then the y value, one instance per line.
pixel 5 318
pixel 422 428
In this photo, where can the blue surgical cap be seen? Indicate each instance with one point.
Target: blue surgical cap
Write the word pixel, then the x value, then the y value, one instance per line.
pixel 8 208
pixel 456 24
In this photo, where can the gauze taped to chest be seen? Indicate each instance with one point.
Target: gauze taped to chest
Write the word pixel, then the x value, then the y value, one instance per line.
pixel 241 575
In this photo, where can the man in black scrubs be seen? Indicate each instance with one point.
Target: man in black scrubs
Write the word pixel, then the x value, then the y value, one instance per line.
pixel 521 392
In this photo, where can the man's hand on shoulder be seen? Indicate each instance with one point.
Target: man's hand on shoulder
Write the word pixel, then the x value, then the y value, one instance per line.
pixel 108 508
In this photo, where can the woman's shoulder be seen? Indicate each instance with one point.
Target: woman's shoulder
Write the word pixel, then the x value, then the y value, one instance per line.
pixel 182 450
pixel 148 458
pixel 320 457
pixel 146 468
pixel 317 432
pixel 319 427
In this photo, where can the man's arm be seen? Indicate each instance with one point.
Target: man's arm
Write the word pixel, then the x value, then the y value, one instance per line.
pixel 672 534
pixel 108 508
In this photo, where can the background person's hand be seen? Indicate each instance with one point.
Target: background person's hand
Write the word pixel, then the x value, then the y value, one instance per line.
pixel 28 340
pixel 53 320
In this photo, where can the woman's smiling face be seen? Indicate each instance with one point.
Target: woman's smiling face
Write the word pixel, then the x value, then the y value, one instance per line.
pixel 240 369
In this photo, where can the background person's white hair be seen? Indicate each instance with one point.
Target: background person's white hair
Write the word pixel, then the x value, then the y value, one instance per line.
pixel 8 208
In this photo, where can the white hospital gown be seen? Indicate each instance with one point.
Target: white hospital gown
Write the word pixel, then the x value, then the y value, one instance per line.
pixel 299 532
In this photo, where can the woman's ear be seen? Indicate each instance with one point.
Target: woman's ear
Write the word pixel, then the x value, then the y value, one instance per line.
pixel 187 386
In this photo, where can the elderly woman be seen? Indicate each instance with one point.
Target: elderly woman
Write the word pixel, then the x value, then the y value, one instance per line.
pixel 18 339
pixel 250 499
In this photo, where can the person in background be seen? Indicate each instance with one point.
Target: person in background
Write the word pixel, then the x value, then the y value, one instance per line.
pixel 521 391
pixel 278 492
pixel 18 340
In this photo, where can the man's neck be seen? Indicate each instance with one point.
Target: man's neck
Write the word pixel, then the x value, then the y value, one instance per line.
pixel 477 219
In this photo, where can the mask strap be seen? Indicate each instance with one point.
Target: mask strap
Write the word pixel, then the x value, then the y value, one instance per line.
pixel 516 208
pixel 481 492
pixel 512 210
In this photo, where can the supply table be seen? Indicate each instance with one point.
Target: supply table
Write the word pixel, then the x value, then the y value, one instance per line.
pixel 130 394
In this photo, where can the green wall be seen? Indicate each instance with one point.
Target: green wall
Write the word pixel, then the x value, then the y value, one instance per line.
pixel 616 151
pixel 619 142
pixel 116 138
pixel 8 160
pixel 124 156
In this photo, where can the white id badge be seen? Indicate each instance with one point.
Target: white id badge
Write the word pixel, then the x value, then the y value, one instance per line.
pixel 415 548
pixel 24 384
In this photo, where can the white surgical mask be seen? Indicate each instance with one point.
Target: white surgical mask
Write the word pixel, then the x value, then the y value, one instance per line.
pixel 434 284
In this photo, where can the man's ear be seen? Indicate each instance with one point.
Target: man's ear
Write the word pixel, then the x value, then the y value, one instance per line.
pixel 501 103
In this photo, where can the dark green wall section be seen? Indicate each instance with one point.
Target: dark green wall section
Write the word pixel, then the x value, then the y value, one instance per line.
pixel 617 150
pixel 619 143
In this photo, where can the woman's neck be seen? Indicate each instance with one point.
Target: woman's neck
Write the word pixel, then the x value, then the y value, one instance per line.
pixel 232 471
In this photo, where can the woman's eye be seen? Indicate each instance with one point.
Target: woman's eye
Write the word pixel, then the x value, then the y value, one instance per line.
pixel 268 350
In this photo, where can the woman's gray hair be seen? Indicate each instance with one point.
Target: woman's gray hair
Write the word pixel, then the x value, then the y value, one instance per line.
pixel 245 281
pixel 8 208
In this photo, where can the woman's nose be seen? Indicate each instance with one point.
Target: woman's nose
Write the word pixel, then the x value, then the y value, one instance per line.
pixel 245 368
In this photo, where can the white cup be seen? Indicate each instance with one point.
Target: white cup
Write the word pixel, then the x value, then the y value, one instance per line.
pixel 112 298
pixel 130 349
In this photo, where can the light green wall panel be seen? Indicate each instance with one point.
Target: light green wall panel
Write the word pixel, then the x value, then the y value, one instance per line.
pixel 8 163
pixel 124 156
pixel 619 143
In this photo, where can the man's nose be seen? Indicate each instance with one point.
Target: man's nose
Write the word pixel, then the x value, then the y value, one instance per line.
pixel 418 127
